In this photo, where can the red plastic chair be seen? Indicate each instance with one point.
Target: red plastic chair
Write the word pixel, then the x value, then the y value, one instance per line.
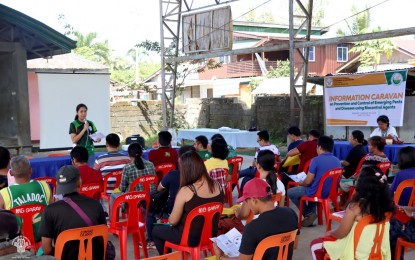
pixel 163 169
pixel 236 163
pixel 334 175
pixel 208 211
pixel 145 181
pixel 402 243
pixel 384 166
pixel 84 234
pixel 26 213
pixel 57 154
pixel 226 185
pixel 291 184
pixel 282 241
pixel 105 193
pixel 133 222
pixel 49 180
pixel 92 190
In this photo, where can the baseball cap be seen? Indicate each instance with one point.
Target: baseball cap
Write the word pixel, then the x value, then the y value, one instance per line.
pixel 255 188
pixel 66 179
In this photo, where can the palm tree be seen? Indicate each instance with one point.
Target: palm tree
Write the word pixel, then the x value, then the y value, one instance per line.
pixel 88 47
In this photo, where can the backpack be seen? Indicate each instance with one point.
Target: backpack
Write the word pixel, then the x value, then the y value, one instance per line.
pixel 158 202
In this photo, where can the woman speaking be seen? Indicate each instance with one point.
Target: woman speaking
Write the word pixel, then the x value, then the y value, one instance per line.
pixel 384 129
pixel 81 129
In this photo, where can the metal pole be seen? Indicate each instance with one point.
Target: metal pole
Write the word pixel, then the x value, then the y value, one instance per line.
pixel 163 67
pixel 291 52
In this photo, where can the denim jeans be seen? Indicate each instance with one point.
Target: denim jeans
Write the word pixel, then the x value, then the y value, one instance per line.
pixel 91 160
pixel 247 175
pixel 295 195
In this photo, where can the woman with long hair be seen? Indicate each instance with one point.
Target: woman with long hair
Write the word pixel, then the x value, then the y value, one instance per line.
pixel 80 130
pixel 196 188
pixel 372 197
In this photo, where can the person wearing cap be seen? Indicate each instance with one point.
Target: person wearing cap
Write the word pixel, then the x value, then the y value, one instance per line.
pixel 61 216
pixel 272 220
pixel 25 191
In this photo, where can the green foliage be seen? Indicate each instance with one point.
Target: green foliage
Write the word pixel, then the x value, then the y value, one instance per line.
pixel 372 50
pixel 359 24
pixel 282 70
pixel 265 17
pixel 254 83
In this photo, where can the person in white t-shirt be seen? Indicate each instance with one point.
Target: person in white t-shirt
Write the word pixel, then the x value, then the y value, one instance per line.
pixel 384 129
pixel 264 144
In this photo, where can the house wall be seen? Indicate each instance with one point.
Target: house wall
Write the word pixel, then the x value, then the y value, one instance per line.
pixel 34 106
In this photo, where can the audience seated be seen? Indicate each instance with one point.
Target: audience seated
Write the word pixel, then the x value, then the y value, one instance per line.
pixel 4 166
pixel 232 151
pixel 406 163
pixel 25 191
pixel 218 160
pixel 402 228
pixel 165 153
pixel 79 158
pixel 375 156
pixel 171 182
pixel 197 188
pixel 257 195
pixel 201 145
pixel 264 144
pixel 113 160
pixel 307 150
pixel 319 165
pixel 294 133
pixel 371 198
pixel 61 216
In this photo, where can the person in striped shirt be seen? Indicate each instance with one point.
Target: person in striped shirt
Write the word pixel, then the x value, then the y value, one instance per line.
pixel 113 160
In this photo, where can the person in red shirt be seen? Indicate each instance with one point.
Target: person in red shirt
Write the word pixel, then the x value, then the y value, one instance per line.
pixel 307 150
pixel 165 153
pixel 79 158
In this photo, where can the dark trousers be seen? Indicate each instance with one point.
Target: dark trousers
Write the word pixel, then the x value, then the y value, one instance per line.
pixel 162 233
pixel 398 229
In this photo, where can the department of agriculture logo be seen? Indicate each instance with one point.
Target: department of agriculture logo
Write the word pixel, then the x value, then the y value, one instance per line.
pixel 21 243
pixel 329 82
pixel 396 78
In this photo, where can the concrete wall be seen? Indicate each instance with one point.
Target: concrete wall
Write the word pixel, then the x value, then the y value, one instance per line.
pixel 34 106
pixel 271 113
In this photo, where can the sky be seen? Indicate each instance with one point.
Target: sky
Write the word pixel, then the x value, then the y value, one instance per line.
pixel 126 22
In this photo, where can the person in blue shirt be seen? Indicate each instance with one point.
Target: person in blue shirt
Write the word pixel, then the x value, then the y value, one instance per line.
pixel 319 165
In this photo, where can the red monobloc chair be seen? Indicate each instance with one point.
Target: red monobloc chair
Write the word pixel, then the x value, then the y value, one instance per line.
pixel 92 190
pixel 406 184
pixel 26 213
pixel 208 211
pixel 291 184
pixel 145 181
pixel 133 222
pixel 163 169
pixel 236 162
pixel 334 175
pixel 107 192
pixel 384 166
pixel 49 180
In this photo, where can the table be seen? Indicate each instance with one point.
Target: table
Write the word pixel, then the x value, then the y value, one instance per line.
pixel 236 138
pixel 341 150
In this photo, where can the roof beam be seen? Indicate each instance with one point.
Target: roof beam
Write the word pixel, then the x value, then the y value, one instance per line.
pixel 303 44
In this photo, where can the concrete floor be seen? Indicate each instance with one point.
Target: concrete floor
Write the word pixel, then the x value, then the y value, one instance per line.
pixel 301 253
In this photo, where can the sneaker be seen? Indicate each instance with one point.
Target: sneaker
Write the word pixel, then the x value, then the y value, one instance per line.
pixel 151 245
pixel 309 220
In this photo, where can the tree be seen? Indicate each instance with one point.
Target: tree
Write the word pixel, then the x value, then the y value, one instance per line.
pixel 372 50
pixel 282 70
pixel 359 24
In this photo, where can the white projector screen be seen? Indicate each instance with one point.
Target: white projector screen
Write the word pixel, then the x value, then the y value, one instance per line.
pixel 59 94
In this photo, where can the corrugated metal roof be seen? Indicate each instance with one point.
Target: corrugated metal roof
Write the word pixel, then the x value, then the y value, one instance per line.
pixel 244 44
pixel 39 39
pixel 68 61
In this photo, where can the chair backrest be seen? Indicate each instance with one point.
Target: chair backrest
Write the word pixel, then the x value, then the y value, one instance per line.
pixel 306 166
pixel 334 175
pixel 82 234
pixel 384 166
pixel 133 200
pixel 236 162
pixel 114 174
pixel 145 181
pixel 172 256
pixel 359 166
pixel 92 190
pixel 26 213
pixel 209 211
pixel 376 252
pixel 49 180
pixel 282 241
pixel 406 184
pixel 57 154
pixel 164 168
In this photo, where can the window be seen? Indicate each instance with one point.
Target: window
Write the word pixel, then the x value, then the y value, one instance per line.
pixel 342 53
pixel 224 59
pixel 311 54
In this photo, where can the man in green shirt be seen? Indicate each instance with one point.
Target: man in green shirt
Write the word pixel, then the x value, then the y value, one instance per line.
pixel 201 145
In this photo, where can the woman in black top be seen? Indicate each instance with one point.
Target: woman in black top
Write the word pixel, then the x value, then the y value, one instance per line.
pixel 357 140
pixel 196 188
